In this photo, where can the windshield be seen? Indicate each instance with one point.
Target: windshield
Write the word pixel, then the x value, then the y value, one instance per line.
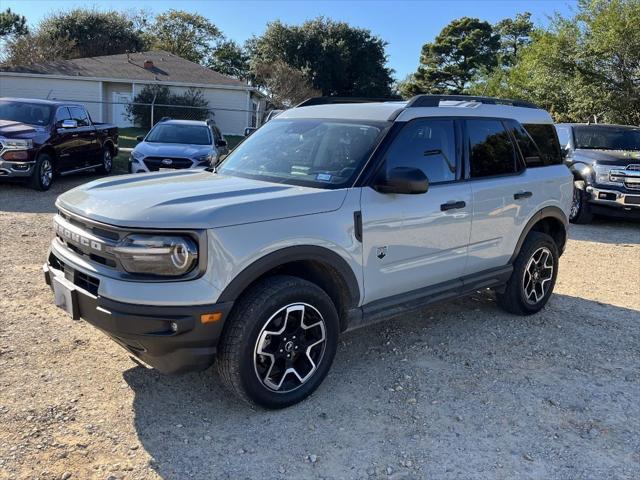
pixel 176 133
pixel 607 138
pixel 29 113
pixel 317 153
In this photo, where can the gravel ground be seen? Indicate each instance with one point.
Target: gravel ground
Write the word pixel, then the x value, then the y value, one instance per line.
pixel 462 390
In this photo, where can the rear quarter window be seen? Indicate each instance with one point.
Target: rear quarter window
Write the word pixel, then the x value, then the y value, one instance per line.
pixel 546 139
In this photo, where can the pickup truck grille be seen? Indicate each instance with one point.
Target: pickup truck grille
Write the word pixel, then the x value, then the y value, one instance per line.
pixel 156 163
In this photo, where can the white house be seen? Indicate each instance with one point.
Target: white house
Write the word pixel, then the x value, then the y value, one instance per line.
pixel 106 84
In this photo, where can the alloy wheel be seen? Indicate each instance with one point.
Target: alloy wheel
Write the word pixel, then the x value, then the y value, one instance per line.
pixel 575 203
pixel 46 172
pixel 290 347
pixel 537 275
pixel 107 160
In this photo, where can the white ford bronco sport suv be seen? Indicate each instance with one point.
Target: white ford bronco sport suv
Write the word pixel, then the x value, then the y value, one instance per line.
pixel 334 215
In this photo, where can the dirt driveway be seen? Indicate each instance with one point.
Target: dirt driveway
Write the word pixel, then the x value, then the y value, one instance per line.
pixel 461 391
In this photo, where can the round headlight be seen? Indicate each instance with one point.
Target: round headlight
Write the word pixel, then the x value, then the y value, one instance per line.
pixel 164 255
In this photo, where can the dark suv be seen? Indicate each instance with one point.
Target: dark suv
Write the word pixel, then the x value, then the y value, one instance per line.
pixel 605 161
pixel 41 138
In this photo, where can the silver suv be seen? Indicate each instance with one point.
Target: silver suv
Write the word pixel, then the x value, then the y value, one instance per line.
pixel 330 217
pixel 178 144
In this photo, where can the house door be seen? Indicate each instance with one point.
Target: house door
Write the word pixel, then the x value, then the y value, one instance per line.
pixel 119 112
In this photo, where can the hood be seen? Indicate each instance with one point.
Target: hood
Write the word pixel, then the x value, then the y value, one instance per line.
pixel 193 199
pixel 12 129
pixel 172 150
pixel 607 157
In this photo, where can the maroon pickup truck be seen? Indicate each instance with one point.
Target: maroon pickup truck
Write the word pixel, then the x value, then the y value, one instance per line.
pixel 40 139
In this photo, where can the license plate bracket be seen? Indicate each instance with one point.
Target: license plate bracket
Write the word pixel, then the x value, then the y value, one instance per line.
pixel 65 296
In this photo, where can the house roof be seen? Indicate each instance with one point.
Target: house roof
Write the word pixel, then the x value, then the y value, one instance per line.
pixel 166 67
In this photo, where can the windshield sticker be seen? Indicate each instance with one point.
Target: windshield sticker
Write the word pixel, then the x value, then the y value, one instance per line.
pixel 323 177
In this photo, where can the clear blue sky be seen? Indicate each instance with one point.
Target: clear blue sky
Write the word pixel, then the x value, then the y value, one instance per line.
pixel 405 25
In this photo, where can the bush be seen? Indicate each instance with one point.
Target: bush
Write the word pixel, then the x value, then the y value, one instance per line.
pixel 167 104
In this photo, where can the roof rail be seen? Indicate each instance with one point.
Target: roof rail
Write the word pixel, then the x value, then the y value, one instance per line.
pixel 334 100
pixel 434 101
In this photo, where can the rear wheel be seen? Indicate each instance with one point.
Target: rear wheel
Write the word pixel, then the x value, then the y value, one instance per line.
pixel 534 276
pixel 279 343
pixel 580 212
pixel 42 175
pixel 107 161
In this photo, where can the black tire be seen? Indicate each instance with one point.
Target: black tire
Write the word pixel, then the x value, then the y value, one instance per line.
pixel 107 161
pixel 519 297
pixel 42 175
pixel 580 212
pixel 244 370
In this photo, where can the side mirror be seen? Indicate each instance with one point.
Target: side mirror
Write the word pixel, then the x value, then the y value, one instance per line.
pixel 403 180
pixel 249 130
pixel 140 138
pixel 221 143
pixel 69 124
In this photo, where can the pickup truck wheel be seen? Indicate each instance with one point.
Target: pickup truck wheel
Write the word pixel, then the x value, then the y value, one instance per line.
pixel 534 276
pixel 42 175
pixel 279 342
pixel 107 161
pixel 580 212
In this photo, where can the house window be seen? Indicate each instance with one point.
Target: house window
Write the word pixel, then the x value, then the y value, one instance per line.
pixel 254 114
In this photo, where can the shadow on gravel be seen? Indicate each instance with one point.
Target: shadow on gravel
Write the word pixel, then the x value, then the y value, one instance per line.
pixel 20 198
pixel 547 396
pixel 606 230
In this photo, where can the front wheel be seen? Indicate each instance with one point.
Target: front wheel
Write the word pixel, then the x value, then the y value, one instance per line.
pixel 42 175
pixel 534 276
pixel 279 343
pixel 580 212
pixel 107 162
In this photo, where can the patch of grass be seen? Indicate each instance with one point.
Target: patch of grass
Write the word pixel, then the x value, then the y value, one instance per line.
pixel 127 136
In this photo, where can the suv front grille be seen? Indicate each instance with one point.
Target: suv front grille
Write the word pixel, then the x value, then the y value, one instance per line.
pixel 156 163
pixel 79 279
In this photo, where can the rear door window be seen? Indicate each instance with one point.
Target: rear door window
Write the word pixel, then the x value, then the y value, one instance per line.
pixel 491 151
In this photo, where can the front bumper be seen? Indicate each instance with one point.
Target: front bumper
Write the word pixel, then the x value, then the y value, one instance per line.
pixel 620 203
pixel 145 330
pixel 12 169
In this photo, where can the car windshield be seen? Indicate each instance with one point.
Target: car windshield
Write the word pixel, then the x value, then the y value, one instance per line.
pixel 177 133
pixel 29 113
pixel 309 152
pixel 607 138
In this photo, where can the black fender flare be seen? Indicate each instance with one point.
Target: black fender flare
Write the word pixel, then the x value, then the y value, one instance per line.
pixel 288 255
pixel 546 212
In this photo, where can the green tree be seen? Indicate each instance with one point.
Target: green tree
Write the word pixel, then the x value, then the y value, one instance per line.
pixel 336 58
pixel 230 59
pixel 167 104
pixel 93 32
pixel 12 24
pixel 452 60
pixel 188 35
pixel 514 34
pixel 285 85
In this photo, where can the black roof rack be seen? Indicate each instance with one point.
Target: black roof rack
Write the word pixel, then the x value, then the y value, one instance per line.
pixel 434 101
pixel 335 100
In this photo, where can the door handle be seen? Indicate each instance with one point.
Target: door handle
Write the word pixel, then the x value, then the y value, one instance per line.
pixel 520 195
pixel 452 205
pixel 74 135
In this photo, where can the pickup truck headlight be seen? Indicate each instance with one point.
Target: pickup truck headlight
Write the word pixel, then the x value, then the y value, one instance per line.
pixel 165 255
pixel 602 174
pixel 17 144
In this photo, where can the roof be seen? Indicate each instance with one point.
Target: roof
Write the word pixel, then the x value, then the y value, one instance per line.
pixel 405 111
pixel 167 67
pixel 184 122
pixel 34 101
pixel 600 125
